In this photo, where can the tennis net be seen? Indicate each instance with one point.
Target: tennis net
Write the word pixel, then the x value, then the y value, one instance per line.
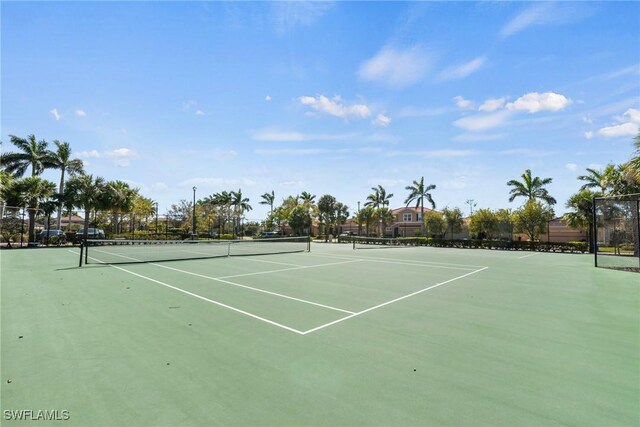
pixel 139 251
pixel 382 242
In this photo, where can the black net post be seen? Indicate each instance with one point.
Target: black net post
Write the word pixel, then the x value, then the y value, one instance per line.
pixel 594 232
pixel 81 254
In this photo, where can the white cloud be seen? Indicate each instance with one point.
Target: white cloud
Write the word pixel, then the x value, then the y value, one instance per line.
pixel 381 121
pixel 463 103
pixel 199 113
pixel 571 166
pixel 291 184
pixel 268 98
pixel 629 126
pixel 120 156
pixel 55 114
pixel 463 70
pixel 293 152
pixel 480 122
pixel 588 134
pixel 492 104
pixel 397 68
pixel 81 113
pixel 545 13
pixel 534 102
pixel 335 107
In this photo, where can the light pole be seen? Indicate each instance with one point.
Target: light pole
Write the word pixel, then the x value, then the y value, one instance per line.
pixel 193 234
pixel 156 218
pixel 358 218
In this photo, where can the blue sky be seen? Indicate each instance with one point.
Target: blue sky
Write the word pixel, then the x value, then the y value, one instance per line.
pixel 326 97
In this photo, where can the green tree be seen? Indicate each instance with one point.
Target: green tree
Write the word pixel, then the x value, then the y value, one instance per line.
pixel 32 153
pixel 366 216
pixel 327 213
pixel 435 223
pixel 581 215
pixel 383 216
pixel 379 197
pixel 453 220
pixel 34 191
pixel 532 188
pixel 240 205
pixel 299 220
pixel 61 159
pixel 483 224
pixel 88 194
pixel 602 180
pixel 118 198
pixel 532 219
pixel 418 192
pixel 268 199
pixel 342 215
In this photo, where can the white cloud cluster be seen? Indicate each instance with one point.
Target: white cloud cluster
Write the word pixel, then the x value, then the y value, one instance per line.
pixel 215 183
pixel 120 156
pixel 397 67
pixel 463 103
pixel 81 113
pixel 381 121
pixel 535 102
pixel 57 116
pixel 275 135
pixel 628 125
pixel 335 107
pixel 463 70
pixel 495 112
pixel 492 105
pixel 545 13
pixel 191 105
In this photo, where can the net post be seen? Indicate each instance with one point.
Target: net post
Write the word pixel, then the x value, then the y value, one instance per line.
pixel 353 241
pixel 81 254
pixel 595 232
pixel 308 243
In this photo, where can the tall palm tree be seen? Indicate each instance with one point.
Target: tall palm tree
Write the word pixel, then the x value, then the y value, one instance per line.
pixel 32 153
pixel 531 187
pixel 61 159
pixel 307 199
pixel 379 197
pixel 33 191
pixel 240 205
pixel 582 215
pixel 602 180
pixel 268 199
pixel 119 197
pixel 417 193
pixel 633 166
pixel 89 194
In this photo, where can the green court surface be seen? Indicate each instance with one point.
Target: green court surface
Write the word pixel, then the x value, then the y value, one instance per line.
pixel 335 336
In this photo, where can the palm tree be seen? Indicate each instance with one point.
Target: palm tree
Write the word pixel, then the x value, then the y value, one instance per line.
pixel 33 153
pixel 417 193
pixel 119 197
pixel 268 199
pixel 582 215
pixel 61 159
pixel 633 166
pixel 307 199
pixel 33 191
pixel 88 194
pixel 379 197
pixel 342 215
pixel 602 180
pixel 240 205
pixel 531 187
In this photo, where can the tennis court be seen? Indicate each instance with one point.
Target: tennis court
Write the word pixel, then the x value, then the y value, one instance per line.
pixel 334 336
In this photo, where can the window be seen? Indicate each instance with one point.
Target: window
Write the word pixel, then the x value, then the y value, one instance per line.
pixel 419 216
pixel 406 217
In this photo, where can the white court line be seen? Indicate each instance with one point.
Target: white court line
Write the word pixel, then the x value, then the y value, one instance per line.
pixel 434 264
pixel 527 256
pixel 220 279
pixel 390 302
pixel 237 310
pixel 300 267
pixel 264 260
